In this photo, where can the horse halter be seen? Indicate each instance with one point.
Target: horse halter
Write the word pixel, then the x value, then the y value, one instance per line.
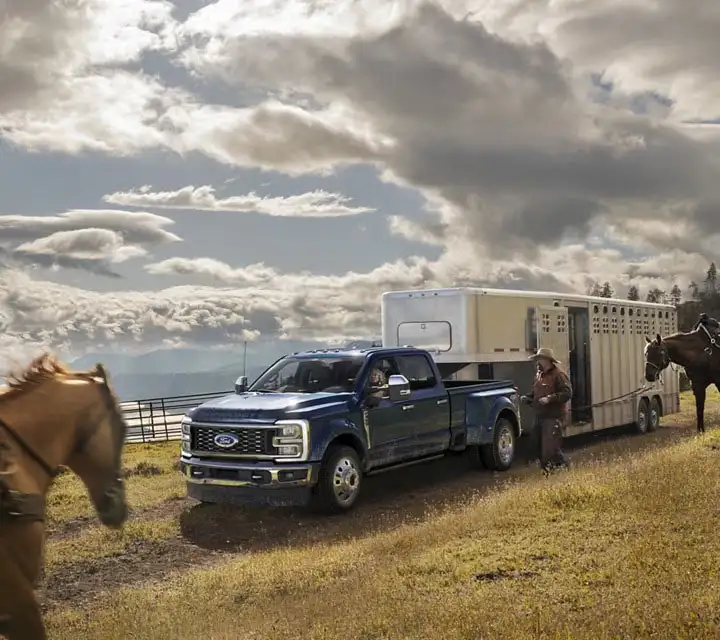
pixel 665 359
pixel 29 450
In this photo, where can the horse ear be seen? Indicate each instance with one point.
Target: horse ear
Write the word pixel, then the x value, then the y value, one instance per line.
pixel 647 340
pixel 100 371
pixel 658 339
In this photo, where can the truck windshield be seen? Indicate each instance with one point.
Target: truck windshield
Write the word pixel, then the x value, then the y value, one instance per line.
pixel 310 375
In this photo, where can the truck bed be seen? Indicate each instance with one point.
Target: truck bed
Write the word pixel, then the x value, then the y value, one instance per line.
pixel 454 387
pixel 458 392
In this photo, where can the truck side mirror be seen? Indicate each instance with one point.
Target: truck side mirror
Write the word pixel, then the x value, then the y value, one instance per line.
pixel 241 384
pixel 398 388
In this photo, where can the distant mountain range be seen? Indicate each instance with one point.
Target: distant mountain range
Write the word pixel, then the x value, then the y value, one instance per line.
pixel 175 372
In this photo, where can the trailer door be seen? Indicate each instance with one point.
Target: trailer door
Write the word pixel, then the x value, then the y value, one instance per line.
pixel 552 332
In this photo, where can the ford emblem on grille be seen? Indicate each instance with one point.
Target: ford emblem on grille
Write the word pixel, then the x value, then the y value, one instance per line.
pixel 225 440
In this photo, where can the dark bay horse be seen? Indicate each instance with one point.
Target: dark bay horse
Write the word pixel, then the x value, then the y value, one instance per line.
pixel 698 351
pixel 50 416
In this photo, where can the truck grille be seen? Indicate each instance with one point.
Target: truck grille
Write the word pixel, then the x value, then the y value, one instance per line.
pixel 250 441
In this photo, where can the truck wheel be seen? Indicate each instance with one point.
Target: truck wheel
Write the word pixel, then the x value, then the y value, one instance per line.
pixel 654 415
pixel 643 417
pixel 500 454
pixel 339 482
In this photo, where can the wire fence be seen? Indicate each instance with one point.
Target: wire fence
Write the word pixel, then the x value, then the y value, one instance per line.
pixel 158 419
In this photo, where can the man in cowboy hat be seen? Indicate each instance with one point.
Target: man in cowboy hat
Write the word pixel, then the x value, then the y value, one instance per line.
pixel 549 396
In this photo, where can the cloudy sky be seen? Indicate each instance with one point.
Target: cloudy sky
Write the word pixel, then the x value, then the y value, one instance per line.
pixel 199 173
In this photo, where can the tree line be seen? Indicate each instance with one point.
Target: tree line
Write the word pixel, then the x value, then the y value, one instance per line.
pixel 702 295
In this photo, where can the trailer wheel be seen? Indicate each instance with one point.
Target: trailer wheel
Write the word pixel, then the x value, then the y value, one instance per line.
pixel 654 415
pixel 340 481
pixel 643 417
pixel 500 454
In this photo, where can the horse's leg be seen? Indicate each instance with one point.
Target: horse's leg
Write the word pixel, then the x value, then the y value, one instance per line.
pixel 26 622
pixel 20 615
pixel 700 390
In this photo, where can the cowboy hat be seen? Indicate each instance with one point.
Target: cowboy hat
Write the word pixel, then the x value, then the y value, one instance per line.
pixel 544 352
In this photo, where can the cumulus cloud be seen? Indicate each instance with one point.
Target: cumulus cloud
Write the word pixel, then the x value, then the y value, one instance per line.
pixel 494 131
pixel 57 58
pixel 274 136
pixel 661 47
pixel 226 304
pixel 313 204
pixel 547 139
pixel 82 239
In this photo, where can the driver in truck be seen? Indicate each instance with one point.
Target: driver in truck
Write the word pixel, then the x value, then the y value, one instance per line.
pixel 378 384
pixel 549 397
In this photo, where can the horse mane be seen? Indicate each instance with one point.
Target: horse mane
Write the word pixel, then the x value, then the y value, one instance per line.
pixel 40 369
pixel 43 367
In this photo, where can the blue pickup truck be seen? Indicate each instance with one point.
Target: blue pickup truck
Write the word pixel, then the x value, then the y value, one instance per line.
pixel 315 424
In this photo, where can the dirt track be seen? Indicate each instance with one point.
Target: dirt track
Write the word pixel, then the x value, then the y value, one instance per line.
pixel 209 532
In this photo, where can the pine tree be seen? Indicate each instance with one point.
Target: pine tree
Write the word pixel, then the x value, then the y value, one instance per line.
pixel 607 290
pixel 675 296
pixel 633 293
pixel 596 290
pixel 694 290
pixel 711 279
pixel 655 295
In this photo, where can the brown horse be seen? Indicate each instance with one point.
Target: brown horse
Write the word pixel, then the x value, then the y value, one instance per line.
pixel 50 416
pixel 698 352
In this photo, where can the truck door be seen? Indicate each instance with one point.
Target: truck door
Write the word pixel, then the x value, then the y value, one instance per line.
pixel 431 407
pixel 389 425
pixel 552 332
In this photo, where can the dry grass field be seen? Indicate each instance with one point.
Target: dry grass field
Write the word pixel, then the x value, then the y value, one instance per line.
pixel 625 545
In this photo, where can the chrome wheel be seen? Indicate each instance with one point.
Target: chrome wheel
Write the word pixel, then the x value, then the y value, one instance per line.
pixel 654 419
pixel 506 445
pixel 345 480
pixel 642 419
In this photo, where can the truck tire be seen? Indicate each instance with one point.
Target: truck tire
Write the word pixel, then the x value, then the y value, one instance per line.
pixel 339 481
pixel 499 455
pixel 654 415
pixel 643 417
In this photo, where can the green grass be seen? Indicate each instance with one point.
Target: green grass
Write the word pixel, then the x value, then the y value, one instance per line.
pixel 626 549
pixel 97 541
pixel 68 498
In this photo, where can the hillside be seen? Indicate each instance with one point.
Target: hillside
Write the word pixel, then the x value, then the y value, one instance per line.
pixel 623 546
pixel 175 372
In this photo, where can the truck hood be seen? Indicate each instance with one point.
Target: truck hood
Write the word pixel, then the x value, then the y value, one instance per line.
pixel 266 407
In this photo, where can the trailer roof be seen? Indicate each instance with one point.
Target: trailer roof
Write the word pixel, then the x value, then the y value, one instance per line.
pixel 513 293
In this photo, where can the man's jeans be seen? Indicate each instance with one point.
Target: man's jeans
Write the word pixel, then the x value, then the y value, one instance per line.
pixel 549 434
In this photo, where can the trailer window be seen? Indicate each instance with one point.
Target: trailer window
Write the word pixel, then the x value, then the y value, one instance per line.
pixel 418 372
pixel 435 335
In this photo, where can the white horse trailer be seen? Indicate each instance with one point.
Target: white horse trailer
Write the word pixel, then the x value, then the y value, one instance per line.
pixel 489 333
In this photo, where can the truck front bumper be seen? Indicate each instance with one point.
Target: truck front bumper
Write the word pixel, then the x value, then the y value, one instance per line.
pixel 246 483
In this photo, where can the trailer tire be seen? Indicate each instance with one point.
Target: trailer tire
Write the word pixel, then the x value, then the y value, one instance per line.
pixel 339 482
pixel 643 417
pixel 654 415
pixel 499 455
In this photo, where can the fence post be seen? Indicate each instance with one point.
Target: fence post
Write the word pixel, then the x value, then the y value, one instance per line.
pixel 172 429
pixel 142 422
pixel 152 418
pixel 164 414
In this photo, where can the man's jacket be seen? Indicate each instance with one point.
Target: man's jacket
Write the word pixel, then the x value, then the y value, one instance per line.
pixel 555 385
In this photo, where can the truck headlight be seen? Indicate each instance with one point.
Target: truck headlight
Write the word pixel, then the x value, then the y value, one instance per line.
pixel 185 425
pixel 293 439
pixel 291 431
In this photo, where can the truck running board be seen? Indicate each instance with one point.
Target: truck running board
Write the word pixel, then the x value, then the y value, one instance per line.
pixel 409 463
